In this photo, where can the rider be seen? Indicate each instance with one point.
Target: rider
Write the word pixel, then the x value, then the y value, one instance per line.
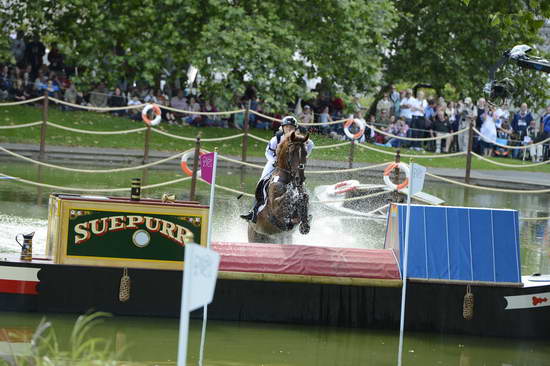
pixel 288 125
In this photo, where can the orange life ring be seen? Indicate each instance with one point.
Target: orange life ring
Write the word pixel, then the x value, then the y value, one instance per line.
pixel 156 110
pixel 183 163
pixel 359 133
pixel 389 169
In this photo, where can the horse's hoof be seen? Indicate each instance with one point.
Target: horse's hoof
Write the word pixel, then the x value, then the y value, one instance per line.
pixel 304 228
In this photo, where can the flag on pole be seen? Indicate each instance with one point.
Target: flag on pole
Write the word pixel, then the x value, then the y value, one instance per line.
pixel 418 172
pixel 207 166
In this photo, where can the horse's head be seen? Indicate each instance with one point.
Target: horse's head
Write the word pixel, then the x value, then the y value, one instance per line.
pixel 292 156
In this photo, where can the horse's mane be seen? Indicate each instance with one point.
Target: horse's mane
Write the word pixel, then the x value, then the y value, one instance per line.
pixel 282 149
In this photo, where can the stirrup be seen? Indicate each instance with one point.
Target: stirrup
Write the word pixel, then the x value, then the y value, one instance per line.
pixel 248 216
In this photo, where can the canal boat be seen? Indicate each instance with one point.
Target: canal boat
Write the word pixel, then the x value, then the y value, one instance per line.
pixel 126 257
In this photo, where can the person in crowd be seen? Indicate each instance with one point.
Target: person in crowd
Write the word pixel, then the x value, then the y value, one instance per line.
pixel 55 58
pixel 20 92
pixel 324 118
pixel 34 54
pixel 488 133
pixel 179 101
pixel 418 122
pixel 384 106
pixel 98 96
pixel 70 96
pixel 532 136
pixel 395 98
pixel 405 107
pixel 468 114
pixel 441 128
pixel 117 100
pixel 194 119
pixel 504 132
pixel 134 113
pixel 18 47
pixel 400 129
pixel 214 120
pixel 521 120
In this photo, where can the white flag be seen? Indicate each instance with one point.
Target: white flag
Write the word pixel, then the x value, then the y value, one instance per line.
pixel 418 172
pixel 201 270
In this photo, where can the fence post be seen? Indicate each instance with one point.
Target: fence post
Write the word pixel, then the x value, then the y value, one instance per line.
pixel 146 144
pixel 245 131
pixel 195 167
pixel 469 152
pixel 45 106
pixel 351 151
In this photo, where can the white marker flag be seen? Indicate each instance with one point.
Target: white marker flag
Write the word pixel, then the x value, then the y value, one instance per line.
pixel 199 282
pixel 418 172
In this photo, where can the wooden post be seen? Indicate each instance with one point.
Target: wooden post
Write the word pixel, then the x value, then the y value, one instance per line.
pixel 146 144
pixel 44 125
pixel 195 167
pixel 245 131
pixel 351 151
pixel 469 152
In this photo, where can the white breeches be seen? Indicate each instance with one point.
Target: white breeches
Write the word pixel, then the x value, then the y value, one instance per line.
pixel 268 169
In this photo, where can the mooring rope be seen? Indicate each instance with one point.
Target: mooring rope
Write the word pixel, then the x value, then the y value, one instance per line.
pixel 113 170
pixel 488 188
pixel 511 147
pixel 98 109
pixel 7 104
pixel 90 132
pixel 431 156
pixel 31 124
pixel 194 138
pixel 178 180
pixel 509 165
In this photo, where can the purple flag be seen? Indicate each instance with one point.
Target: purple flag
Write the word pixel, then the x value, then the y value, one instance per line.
pixel 207 166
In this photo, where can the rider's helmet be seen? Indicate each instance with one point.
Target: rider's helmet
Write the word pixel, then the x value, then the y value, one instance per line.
pixel 289 121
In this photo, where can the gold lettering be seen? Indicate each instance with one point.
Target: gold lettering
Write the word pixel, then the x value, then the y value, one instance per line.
pixel 149 224
pixel 81 229
pixel 134 221
pixel 117 223
pixel 168 229
pixel 183 236
pixel 95 226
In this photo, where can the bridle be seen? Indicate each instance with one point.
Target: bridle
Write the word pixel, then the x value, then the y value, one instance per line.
pixel 297 176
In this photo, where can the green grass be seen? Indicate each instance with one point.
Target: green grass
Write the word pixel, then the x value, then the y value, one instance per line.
pixel 105 122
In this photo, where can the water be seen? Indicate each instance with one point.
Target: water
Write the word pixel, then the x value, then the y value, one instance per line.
pixel 24 208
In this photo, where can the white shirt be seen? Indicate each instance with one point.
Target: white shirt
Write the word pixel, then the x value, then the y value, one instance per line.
pixel 420 104
pixel 406 112
pixel 489 130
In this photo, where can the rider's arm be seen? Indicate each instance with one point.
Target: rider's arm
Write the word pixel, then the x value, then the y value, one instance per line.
pixel 271 149
pixel 309 146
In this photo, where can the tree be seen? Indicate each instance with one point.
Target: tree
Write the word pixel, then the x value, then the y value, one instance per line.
pixel 272 44
pixel 456 41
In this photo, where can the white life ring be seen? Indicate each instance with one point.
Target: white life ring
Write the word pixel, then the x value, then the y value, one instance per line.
pixel 402 167
pixel 183 163
pixel 345 186
pixel 156 110
pixel 360 124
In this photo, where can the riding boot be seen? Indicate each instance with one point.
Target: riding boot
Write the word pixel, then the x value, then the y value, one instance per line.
pixel 252 214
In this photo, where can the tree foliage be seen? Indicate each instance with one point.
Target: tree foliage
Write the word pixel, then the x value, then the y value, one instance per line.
pixel 456 42
pixel 272 44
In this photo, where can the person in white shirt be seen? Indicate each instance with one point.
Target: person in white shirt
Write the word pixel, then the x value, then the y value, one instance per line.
pixel 288 125
pixel 405 107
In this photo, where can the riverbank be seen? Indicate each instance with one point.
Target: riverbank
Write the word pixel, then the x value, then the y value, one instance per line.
pixel 88 156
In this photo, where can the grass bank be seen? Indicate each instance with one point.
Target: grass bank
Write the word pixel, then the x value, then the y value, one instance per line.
pixel 15 115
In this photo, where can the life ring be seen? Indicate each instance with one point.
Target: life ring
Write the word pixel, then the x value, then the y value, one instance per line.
pixel 359 123
pixel 183 163
pixel 156 110
pixel 402 167
pixel 345 186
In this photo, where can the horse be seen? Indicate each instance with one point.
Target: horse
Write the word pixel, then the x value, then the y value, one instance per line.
pixel 286 202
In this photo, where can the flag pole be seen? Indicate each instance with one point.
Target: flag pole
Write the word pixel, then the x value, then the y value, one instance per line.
pixel 208 242
pixel 405 262
pixel 184 318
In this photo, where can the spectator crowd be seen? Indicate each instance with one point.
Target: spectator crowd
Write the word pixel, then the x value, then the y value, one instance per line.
pixel 399 113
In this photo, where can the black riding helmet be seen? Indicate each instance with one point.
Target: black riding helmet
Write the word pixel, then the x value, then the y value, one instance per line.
pixel 289 121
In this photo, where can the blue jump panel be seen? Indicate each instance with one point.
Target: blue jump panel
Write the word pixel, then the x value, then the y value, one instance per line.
pixel 458 243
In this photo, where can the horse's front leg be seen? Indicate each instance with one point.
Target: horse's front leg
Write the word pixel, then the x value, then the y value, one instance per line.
pixel 303 210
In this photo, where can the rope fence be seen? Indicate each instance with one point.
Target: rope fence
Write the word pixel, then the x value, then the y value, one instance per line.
pixel 508 146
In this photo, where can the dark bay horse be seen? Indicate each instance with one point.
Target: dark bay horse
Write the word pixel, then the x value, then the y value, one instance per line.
pixel 286 201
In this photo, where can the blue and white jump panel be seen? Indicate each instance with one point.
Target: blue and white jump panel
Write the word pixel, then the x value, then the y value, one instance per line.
pixel 457 243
